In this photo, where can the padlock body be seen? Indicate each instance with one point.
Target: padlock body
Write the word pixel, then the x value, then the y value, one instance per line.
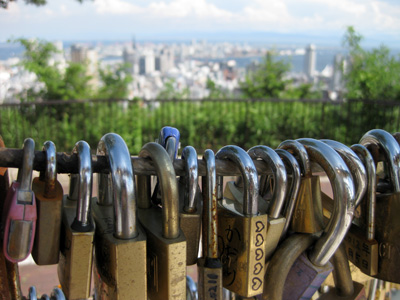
pixel 359 293
pixel 120 265
pixel 304 279
pixel 273 235
pixel 241 243
pixel 46 246
pixel 166 258
pixel 76 255
pixel 209 277
pixel 19 225
pixel 360 251
pixel 387 233
pixel 307 216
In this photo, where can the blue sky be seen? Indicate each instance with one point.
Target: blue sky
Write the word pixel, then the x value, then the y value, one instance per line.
pixel 377 20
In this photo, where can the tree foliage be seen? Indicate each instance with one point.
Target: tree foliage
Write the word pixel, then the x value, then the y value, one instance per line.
pixel 114 83
pixel 373 74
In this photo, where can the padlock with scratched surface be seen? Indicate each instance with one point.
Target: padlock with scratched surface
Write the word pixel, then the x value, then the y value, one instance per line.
pixel 77 230
pixel 49 194
pixel 209 266
pixel 19 212
pixel 166 243
pixel 387 230
pixel 120 242
pixel 241 234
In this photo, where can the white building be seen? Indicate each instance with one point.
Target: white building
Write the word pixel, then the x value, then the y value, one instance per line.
pixel 309 61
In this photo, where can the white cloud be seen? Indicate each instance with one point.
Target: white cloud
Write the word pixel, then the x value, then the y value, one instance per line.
pixel 116 7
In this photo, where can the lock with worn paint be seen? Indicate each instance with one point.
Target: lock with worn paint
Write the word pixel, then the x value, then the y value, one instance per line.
pixel 299 274
pixel 387 228
pixel 77 230
pixel 307 217
pixel 190 204
pixel 166 243
pixel 19 212
pixel 209 266
pixel 361 246
pixel 49 195
pixel 120 242
pixel 241 233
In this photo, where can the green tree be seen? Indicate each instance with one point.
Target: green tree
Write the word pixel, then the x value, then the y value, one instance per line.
pixel 169 91
pixel 216 92
pixel 114 83
pixel 373 74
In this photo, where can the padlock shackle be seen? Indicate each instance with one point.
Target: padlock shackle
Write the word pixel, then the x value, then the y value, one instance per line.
pixel 291 194
pixel 210 224
pixel 32 293
pixel 298 150
pixel 277 166
pixel 343 194
pixel 249 175
pixel 169 139
pixel 50 174
pixel 82 222
pixel 189 156
pixel 169 189
pixel 397 137
pixel 369 164
pixel 355 165
pixel 391 151
pixel 341 273
pixel 24 176
pixel 114 147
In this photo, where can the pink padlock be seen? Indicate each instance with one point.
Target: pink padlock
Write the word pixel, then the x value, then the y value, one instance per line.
pixel 20 210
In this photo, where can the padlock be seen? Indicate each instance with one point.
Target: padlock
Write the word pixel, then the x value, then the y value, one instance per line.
pixel 77 230
pixel 169 139
pixel 291 194
pixel 241 235
pixel 191 289
pixel 345 287
pixel 209 266
pixel 307 217
pixel 120 242
pixel 293 276
pixel 387 230
pixel 190 204
pixel 276 221
pixel 166 243
pixel 361 246
pixel 19 212
pixel 49 194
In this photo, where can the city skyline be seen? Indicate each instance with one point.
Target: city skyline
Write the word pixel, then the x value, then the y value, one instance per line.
pixel 275 22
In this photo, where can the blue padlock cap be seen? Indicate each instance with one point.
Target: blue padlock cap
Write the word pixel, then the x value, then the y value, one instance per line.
pixel 167 132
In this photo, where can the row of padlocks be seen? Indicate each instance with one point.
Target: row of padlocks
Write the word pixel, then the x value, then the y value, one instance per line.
pixel 270 234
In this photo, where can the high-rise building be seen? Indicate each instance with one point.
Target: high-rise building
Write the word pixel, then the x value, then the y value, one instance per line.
pixel 164 61
pixel 78 53
pixel 129 57
pixel 147 63
pixel 309 61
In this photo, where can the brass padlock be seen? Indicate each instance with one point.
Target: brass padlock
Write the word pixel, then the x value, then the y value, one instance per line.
pixel 307 217
pixel 361 246
pixel 190 204
pixel 242 234
pixel 290 276
pixel 345 287
pixel 387 230
pixel 77 230
pixel 120 242
pixel 276 221
pixel 166 243
pixel 291 194
pixel 49 196
pixel 209 266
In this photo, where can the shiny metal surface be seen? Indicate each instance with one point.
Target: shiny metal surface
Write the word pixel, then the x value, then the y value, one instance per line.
pixel 249 174
pixel 210 224
pixel 105 190
pixel 391 151
pixel 342 275
pixel 24 176
pixel 369 164
pixel 172 134
pixel 355 166
pixel 291 193
pixel 171 146
pixel 343 193
pixel 169 190
pixel 51 169
pixel 82 148
pixel 191 289
pixel 124 190
pixel 57 294
pixel 189 155
pixel 32 293
pixel 298 150
pixel 268 155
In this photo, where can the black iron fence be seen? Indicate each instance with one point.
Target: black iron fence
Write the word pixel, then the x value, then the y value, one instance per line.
pixel 202 123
